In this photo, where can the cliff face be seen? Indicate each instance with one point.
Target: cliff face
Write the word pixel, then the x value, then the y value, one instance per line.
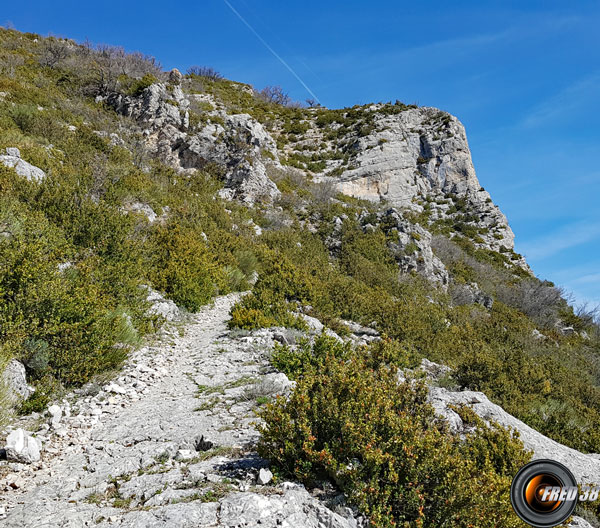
pixel 415 160
pixel 422 152
pixel 414 153
pixel 236 143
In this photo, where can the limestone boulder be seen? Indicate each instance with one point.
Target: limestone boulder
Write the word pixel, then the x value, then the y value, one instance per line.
pixel 22 447
pixel 13 160
pixel 15 380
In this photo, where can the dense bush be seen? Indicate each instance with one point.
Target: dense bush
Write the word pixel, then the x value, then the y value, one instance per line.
pixel 55 321
pixel 380 442
pixel 184 268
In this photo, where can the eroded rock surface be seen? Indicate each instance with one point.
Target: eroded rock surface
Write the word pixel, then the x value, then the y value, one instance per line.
pixel 15 380
pixel 235 143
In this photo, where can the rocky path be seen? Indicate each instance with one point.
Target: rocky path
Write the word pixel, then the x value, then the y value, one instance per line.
pixel 169 443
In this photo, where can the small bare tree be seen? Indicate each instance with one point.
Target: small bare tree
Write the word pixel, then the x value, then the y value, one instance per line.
pixel 105 65
pixel 52 52
pixel 108 63
pixel 537 299
pixel 137 65
pixel 204 71
pixel 9 63
pixel 324 192
pixel 275 94
pixel 590 315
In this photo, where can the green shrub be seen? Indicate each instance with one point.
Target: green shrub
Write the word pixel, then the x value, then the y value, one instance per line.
pixel 379 442
pixel 296 362
pixel 263 311
pixel 184 268
pixel 411 248
pixel 139 85
pixel 41 124
pixel 53 320
pixel 36 357
pixel 45 389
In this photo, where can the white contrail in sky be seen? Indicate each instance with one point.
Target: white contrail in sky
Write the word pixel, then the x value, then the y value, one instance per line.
pixel 275 54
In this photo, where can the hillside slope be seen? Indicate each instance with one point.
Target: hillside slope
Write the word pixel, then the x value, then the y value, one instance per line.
pixel 126 190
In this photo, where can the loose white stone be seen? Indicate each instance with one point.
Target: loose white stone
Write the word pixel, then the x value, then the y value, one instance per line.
pixel 22 447
pixel 56 414
pixel 264 476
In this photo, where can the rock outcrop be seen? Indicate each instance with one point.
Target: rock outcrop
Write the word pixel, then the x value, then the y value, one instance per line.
pixel 175 76
pixel 413 153
pixel 413 249
pixel 235 143
pixel 161 306
pixel 158 106
pixel 238 145
pixel 12 159
pixel 419 153
pixel 15 380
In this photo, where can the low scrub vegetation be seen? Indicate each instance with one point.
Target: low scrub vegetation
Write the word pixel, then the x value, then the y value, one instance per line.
pixel 495 351
pixel 350 421
pixel 73 260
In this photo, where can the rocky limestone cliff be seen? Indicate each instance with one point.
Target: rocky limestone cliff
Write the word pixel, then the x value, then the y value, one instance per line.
pixel 417 153
pixel 415 159
pixel 235 143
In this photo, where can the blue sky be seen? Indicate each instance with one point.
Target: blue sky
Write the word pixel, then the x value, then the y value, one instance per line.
pixel 523 76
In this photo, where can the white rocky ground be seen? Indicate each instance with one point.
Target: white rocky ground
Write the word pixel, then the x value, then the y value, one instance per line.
pixel 167 444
